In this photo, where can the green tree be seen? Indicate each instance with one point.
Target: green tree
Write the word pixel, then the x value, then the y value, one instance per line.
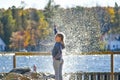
pixel 8 25
pixel 116 27
pixel 16 14
pixel 50 9
pixel 116 10
pixel 1 31
pixel 20 16
pixel 1 24
pixel 23 19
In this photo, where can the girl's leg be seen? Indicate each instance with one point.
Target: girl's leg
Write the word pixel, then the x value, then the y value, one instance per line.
pixel 60 69
pixel 56 65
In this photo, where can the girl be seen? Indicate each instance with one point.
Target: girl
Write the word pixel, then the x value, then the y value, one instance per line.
pixel 57 54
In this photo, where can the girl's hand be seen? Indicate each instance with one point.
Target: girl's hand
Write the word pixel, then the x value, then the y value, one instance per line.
pixel 55 30
pixel 55 26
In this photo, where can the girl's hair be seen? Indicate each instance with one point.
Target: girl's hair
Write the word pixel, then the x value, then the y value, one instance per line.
pixel 62 39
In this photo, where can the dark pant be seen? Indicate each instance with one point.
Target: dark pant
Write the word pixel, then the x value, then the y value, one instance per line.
pixel 57 64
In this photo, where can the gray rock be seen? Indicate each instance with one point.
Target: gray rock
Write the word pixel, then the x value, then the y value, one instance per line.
pixel 20 70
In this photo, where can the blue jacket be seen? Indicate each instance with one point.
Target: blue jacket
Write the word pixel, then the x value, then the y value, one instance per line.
pixel 57 50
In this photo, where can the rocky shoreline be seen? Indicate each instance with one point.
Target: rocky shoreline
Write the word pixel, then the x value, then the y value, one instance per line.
pixel 27 74
pixel 37 76
pixel 17 75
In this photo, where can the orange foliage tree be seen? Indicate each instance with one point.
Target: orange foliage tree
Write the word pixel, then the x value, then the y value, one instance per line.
pixel 111 13
pixel 114 18
pixel 31 35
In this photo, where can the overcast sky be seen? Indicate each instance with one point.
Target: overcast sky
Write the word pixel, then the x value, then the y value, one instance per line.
pixel 40 4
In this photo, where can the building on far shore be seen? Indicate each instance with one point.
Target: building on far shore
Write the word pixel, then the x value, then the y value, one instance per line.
pixel 112 42
pixel 114 45
pixel 2 45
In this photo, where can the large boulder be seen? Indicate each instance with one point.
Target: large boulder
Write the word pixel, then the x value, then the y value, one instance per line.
pixel 20 70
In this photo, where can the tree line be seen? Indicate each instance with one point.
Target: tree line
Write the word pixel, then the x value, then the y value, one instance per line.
pixel 20 28
pixel 24 28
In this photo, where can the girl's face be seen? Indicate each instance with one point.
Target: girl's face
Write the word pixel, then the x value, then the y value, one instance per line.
pixel 58 39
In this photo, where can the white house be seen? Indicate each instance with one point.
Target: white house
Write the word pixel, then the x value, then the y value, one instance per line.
pixel 2 45
pixel 112 41
pixel 114 45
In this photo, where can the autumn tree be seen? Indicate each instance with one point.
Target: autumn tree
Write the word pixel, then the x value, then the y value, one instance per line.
pixel 36 28
pixel 114 15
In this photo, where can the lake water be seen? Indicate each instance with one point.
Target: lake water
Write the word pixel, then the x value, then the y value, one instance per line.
pixel 72 63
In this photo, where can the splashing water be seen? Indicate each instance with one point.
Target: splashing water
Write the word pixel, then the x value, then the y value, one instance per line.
pixel 81 30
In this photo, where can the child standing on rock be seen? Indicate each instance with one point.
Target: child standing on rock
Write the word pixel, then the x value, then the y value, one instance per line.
pixel 57 54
